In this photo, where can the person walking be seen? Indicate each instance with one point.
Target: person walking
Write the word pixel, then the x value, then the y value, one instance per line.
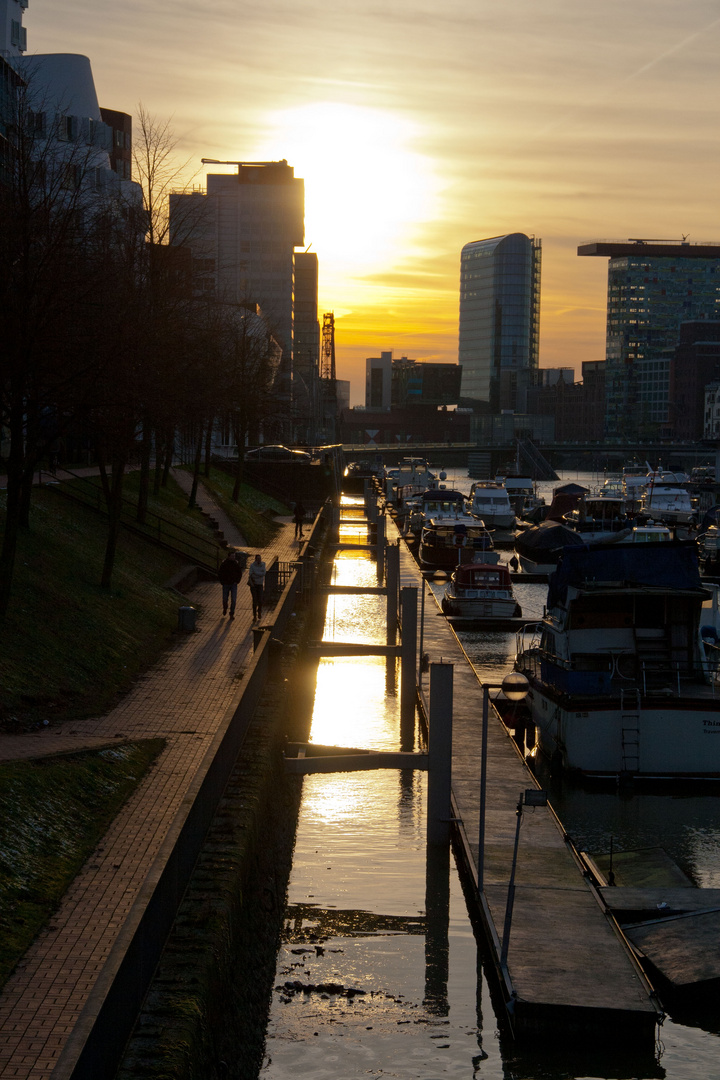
pixel 298 518
pixel 229 575
pixel 256 581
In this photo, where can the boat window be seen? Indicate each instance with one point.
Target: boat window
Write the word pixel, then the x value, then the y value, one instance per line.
pixel 595 612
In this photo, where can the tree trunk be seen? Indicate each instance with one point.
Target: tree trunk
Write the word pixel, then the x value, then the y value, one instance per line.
pixel 169 448
pixel 159 451
pixel 144 490
pixel 114 512
pixel 208 445
pixel 14 498
pixel 196 470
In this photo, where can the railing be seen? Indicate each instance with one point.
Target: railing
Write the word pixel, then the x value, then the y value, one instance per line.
pixel 157 529
pixel 617 670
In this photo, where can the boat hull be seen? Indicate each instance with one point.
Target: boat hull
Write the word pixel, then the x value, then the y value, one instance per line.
pixel 665 738
pixel 481 607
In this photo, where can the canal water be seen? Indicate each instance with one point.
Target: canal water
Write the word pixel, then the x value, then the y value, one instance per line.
pixel 379 973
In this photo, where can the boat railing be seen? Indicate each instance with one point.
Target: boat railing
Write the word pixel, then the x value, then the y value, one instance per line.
pixel 606 674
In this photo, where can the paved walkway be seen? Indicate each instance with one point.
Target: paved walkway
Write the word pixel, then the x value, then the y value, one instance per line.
pixel 183 700
pixel 206 502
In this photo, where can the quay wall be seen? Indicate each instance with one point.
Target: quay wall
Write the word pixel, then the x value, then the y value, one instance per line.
pixel 95 1046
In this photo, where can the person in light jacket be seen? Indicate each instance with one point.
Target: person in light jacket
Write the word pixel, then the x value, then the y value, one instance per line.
pixel 256 581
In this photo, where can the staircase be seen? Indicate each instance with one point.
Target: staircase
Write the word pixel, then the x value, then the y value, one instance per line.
pixel 538 466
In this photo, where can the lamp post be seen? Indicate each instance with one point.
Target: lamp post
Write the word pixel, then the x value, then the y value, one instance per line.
pixel 515 687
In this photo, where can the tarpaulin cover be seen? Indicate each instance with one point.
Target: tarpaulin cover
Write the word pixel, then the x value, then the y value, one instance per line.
pixel 544 543
pixel 670 565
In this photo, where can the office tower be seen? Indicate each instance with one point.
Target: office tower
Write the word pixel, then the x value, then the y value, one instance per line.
pixel 499 317
pixel 244 229
pixel 653 286
pixel 306 361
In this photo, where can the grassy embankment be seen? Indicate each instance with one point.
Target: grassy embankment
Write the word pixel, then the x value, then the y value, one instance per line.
pixel 252 513
pixel 68 650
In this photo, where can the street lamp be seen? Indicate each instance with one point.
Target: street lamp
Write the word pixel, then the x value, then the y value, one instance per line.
pixel 515 687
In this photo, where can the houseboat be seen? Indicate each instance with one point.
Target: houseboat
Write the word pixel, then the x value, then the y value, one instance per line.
pixel 448 542
pixel 623 668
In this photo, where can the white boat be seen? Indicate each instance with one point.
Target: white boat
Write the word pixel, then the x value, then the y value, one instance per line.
pixel 411 475
pixel 439 503
pixel 491 502
pixel 623 668
pixel 666 499
pixel 447 542
pixel 480 591
pixel 521 491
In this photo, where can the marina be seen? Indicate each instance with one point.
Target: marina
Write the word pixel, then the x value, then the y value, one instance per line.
pixel 432 633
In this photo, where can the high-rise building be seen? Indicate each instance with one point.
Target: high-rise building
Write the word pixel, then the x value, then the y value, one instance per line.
pixel 499 317
pixel 306 361
pixel 653 286
pixel 247 225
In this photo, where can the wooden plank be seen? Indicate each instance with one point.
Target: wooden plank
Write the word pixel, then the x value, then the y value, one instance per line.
pixel 684 949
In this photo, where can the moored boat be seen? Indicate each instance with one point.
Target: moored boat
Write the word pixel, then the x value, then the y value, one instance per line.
pixel 447 542
pixel 624 666
pixel 480 591
pixel 490 501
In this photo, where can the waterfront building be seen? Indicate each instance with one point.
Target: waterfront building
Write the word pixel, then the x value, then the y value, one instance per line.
pixel 306 363
pixel 653 286
pixel 243 230
pixel 499 318
pixel 695 363
pixel 400 382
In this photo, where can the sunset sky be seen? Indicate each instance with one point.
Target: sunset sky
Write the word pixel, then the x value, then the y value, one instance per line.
pixel 420 126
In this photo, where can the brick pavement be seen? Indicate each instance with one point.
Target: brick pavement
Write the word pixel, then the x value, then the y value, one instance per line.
pixel 183 700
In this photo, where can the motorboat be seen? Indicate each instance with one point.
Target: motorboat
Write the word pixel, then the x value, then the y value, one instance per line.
pixel 624 666
pixel 439 503
pixel 599 516
pixel 539 548
pixel 480 591
pixel 448 542
pixel 357 472
pixel 490 501
pixel 521 491
pixel 410 476
pixel 667 499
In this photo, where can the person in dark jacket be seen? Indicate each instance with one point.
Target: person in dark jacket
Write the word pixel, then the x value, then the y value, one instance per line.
pixel 298 518
pixel 229 575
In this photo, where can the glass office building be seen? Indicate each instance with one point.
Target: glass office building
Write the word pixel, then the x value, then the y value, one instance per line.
pixel 499 316
pixel 653 286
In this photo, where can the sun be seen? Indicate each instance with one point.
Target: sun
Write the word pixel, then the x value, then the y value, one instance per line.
pixel 367 191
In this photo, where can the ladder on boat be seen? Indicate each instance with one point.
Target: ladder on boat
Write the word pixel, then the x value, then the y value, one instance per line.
pixel 630 729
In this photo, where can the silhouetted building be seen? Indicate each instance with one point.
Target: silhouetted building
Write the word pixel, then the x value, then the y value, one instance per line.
pixel 499 318
pixel 401 382
pixel 653 286
pixel 694 363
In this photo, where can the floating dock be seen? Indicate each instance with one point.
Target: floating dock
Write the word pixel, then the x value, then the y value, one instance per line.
pixel 568 965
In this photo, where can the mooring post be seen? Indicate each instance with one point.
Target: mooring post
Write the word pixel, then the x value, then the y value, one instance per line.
pixel 380 547
pixel 439 753
pixel 408 652
pixel 392 577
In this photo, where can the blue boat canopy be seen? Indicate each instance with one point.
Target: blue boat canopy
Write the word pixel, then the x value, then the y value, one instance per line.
pixel 672 565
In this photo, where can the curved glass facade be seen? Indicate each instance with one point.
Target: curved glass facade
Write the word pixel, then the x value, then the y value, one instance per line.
pixel 499 313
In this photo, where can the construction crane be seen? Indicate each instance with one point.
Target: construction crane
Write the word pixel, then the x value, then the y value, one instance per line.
pixel 327 355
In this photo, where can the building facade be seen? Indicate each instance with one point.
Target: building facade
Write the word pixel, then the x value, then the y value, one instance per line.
pixel 695 363
pixel 397 383
pixel 653 286
pixel 499 317
pixel 244 228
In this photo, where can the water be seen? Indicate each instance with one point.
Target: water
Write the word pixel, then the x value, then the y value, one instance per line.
pixel 378 975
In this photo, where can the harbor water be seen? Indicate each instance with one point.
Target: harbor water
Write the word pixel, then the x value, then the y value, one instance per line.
pixel 380 973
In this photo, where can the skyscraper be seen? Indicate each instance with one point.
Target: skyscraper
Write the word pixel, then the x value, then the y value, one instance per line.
pixel 653 286
pixel 499 317
pixel 245 230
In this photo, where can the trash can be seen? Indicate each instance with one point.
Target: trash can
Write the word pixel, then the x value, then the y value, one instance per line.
pixel 186 618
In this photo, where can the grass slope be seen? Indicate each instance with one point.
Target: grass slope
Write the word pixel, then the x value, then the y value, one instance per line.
pixel 252 513
pixel 53 813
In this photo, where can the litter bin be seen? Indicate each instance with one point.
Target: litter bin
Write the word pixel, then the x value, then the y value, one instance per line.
pixel 186 618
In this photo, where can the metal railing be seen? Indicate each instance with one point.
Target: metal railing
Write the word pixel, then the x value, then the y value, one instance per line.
pixel 157 529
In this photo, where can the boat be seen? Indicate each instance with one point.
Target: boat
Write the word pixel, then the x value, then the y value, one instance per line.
pixel 438 503
pixel 447 542
pixel 539 548
pixel 480 591
pixel 357 472
pixel 521 492
pixel 411 475
pixel 490 501
pixel 624 666
pixel 598 516
pixel 667 499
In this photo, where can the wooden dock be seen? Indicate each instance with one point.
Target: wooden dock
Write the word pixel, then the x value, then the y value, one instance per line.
pixel 568 964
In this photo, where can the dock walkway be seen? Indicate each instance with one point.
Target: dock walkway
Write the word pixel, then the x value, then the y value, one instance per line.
pixel 184 699
pixel 567 963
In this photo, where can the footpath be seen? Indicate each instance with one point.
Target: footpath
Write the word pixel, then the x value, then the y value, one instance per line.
pixel 183 700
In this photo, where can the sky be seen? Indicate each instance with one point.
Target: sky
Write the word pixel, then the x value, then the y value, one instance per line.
pixel 420 126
